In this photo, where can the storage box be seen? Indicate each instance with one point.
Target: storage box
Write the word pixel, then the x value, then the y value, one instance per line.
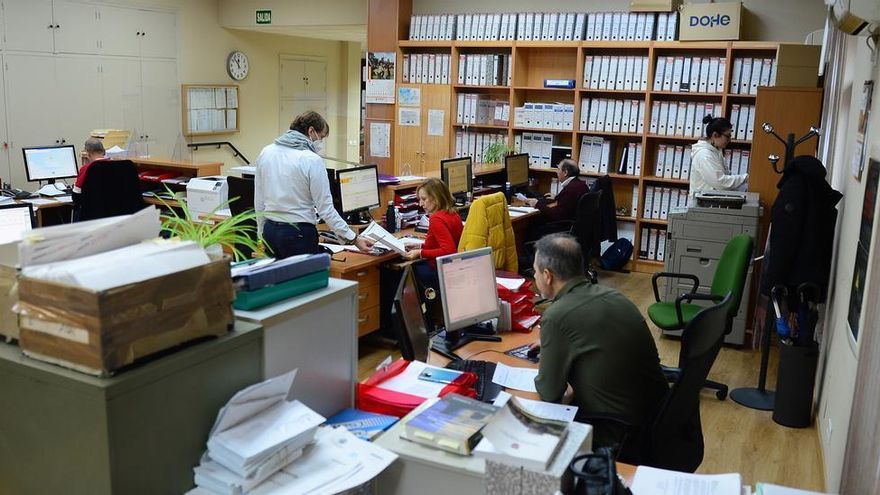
pixel 111 137
pixel 654 5
pixel 797 65
pixel 8 298
pixel 710 21
pixel 99 332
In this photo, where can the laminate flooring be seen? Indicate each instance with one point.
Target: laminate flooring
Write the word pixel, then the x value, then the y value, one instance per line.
pixel 737 439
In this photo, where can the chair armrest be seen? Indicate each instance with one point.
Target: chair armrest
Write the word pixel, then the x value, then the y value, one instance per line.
pixel 612 420
pixel 659 275
pixel 693 297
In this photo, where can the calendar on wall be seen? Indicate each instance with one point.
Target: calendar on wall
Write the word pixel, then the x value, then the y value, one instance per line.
pixel 210 109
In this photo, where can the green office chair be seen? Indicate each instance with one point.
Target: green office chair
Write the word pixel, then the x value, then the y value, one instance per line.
pixel 730 277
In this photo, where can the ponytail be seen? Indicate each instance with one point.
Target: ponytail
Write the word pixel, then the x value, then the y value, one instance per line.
pixel 716 125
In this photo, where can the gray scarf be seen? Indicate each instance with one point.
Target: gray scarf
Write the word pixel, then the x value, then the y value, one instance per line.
pixel 295 140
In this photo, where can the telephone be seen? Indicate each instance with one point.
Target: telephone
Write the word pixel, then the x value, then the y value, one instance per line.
pixel 15 193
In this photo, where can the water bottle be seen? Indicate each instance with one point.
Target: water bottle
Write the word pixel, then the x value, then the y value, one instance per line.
pixel 398 219
pixel 469 198
pixel 508 191
pixel 391 218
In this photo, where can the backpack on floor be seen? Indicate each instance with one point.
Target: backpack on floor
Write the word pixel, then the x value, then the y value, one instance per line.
pixel 617 254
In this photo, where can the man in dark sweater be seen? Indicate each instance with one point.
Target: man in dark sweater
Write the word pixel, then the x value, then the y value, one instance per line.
pixel 571 188
pixel 594 339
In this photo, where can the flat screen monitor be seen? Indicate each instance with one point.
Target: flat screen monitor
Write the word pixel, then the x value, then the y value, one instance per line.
pixel 15 220
pixel 410 320
pixel 50 162
pixel 517 168
pixel 467 288
pixel 458 175
pixel 358 188
pixel 241 194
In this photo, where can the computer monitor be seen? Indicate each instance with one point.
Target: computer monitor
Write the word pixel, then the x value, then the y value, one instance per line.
pixel 469 298
pixel 358 191
pixel 15 220
pixel 409 319
pixel 458 175
pixel 50 162
pixel 517 168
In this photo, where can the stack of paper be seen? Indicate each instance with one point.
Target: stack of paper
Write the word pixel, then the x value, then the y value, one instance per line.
pixel 375 232
pixel 653 481
pixel 256 434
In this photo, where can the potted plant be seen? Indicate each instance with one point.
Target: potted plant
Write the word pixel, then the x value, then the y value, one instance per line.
pixel 214 232
pixel 496 151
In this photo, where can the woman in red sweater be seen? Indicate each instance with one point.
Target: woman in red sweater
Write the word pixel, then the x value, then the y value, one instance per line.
pixel 444 230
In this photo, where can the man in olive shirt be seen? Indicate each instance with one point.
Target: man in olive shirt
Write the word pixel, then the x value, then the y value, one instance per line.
pixel 594 339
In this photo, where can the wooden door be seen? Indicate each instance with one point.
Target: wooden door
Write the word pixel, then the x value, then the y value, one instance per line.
pixel 408 142
pixel 435 139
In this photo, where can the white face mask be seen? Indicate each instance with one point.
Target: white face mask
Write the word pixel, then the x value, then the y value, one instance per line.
pixel 319 146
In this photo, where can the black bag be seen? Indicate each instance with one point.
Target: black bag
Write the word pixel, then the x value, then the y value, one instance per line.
pixel 596 474
pixel 617 254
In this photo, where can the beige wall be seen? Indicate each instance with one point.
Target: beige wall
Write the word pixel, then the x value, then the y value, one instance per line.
pixel 841 352
pixel 295 12
pixel 768 20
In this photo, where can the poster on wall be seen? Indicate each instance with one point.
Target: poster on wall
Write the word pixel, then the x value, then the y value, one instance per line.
pixel 863 247
pixel 861 148
pixel 380 77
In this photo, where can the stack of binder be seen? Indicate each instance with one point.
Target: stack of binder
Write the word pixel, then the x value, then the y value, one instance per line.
pixel 538 145
pixel 486 27
pixel 631 160
pixel 626 73
pixel 432 27
pixel 595 154
pixel 258 284
pixel 481 109
pixel 742 118
pixel 673 162
pixel 737 161
pixel 474 144
pixel 680 74
pixel 659 200
pixel 749 73
pixel 680 118
pixel 544 116
pixel 426 68
pixel 631 26
pixel 491 69
pixel 653 244
pixel 612 115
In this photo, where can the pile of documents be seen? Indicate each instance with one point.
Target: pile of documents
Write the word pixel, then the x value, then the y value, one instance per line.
pixel 453 424
pixel 259 282
pixel 263 443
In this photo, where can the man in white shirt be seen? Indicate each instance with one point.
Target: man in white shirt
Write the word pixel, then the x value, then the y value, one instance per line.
pixel 291 184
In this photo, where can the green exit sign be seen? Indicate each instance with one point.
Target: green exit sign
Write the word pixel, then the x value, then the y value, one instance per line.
pixel 264 16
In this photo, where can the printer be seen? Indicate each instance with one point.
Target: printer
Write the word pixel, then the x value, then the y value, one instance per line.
pixel 205 194
pixel 697 235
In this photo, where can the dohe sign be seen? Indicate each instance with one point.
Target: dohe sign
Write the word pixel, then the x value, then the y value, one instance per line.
pixel 710 21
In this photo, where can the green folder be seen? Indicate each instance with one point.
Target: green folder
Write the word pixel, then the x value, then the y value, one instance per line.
pixel 248 300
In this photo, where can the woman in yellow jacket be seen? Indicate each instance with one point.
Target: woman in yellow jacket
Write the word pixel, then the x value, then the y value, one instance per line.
pixel 488 224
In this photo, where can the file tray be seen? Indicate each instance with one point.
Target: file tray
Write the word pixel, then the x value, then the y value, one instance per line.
pixel 98 332
pixel 247 300
pixel 281 271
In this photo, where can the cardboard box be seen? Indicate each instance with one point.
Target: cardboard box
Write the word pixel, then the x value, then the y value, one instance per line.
pixel 112 137
pixel 797 65
pixel 710 21
pixel 8 298
pixel 654 5
pixel 100 332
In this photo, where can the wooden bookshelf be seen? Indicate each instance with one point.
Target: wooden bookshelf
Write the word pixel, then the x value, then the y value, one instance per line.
pixel 534 61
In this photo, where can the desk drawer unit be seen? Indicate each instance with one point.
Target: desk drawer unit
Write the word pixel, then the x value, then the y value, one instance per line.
pixel 368 297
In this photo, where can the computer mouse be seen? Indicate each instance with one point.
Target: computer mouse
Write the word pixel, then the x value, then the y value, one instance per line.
pixel 533 352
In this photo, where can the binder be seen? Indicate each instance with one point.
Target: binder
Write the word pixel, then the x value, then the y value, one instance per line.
pixel 413 27
pixel 635 201
pixel 579 26
pixel 640 123
pixel 668 73
pixel 661 27
pixel 658 73
pixel 766 69
pixel 632 119
pixel 742 122
pixel 680 118
pixel 750 129
pixel 703 85
pixel 661 245
pixel 283 270
pixel 658 202
pixel 593 122
pixel 643 243
pixel 722 71
pixel 405 69
pixel 661 159
pixel 677 162
pixel 620 75
pixel 671 118
pixel 640 27
pixel 677 73
pixel 712 83
pixel 590 34
pixel 685 85
pixel 623 27
pixel 432 66
pixel 521 26
pixel 654 128
pixel 596 72
pixel 637 167
pixel 602 116
pixel 588 69
pixel 604 156
pixel 686 163
pixel 773 74
pixel 650 21
pixel 649 202
pixel 617 116
pixel 744 162
pixel 547 149
pixel 652 243
pixel 669 161
pixel 638 72
pixel 735 73
pixel 664 118
pixel 689 119
pixel 568 119
pixel 746 75
pixel 607 21
pixel 631 159
pixel 612 73
pixel 604 65
pixel 735 160
pixel 694 84
pixel 631 23
pixel 664 205
pixel 755 79
pixel 671 26
pixel 616 20
pixel 734 115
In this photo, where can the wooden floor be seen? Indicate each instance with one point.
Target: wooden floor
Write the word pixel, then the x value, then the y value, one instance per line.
pixel 737 439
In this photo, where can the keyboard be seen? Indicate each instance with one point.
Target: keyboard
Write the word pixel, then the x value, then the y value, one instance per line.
pixel 486 389
pixel 522 353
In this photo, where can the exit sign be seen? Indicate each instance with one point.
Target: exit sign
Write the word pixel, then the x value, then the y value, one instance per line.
pixel 264 16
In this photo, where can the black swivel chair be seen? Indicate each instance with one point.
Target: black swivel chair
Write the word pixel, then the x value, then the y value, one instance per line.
pixel 110 188
pixel 241 194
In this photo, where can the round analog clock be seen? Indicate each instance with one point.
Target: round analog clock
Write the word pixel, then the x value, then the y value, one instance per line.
pixel 237 65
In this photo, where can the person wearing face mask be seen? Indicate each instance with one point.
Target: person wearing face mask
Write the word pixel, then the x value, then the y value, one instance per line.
pixel 291 184
pixel 596 340
pixel 708 170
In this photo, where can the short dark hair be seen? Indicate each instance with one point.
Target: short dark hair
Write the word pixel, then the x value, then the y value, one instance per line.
pixel 310 119
pixel 716 125
pixel 561 254
pixel 569 167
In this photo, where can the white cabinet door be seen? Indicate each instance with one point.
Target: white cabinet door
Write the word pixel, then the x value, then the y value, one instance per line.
pixel 158 34
pixel 119 28
pixel 79 97
pixel 4 141
pixel 29 25
pixel 293 78
pixel 291 108
pixel 316 80
pixel 121 94
pixel 32 108
pixel 76 27
pixel 161 105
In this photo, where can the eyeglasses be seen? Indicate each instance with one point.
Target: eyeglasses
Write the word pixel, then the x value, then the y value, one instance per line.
pixel 728 135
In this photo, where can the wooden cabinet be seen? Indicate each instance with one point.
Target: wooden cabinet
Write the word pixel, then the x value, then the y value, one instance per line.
pixel 418 146
pixel 137 32
pixel 363 269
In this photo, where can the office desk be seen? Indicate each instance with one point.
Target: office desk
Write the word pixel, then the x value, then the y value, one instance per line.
pixel 186 168
pixel 52 212
pixel 140 431
pixel 323 319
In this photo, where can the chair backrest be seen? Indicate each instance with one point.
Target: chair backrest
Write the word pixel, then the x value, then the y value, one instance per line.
pixel 243 189
pixel 586 227
pixel 110 188
pixel 730 276
pixel 488 224
pixel 675 440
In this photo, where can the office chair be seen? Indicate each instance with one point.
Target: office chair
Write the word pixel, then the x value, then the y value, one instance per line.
pixel 110 188
pixel 243 190
pixel 730 277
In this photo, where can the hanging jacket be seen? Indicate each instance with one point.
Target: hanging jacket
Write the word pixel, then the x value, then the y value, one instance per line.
pixel 708 170
pixel 802 228
pixel 488 224
pixel 607 220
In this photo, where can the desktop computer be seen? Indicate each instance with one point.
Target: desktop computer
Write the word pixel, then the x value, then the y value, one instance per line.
pixel 469 298
pixel 49 163
pixel 517 169
pixel 458 175
pixel 410 321
pixel 358 192
pixel 15 220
